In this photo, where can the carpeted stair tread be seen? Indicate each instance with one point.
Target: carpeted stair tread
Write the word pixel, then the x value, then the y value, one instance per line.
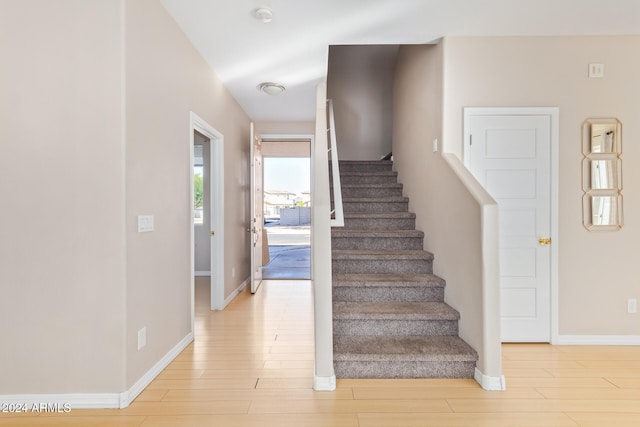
pixel 380 215
pixel 382 254
pixel 392 199
pixel 342 232
pixel 403 348
pixel 388 280
pixel 376 186
pixel 366 162
pixel 394 311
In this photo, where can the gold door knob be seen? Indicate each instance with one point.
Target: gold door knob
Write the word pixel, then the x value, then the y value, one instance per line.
pixel 545 240
pixel 213 233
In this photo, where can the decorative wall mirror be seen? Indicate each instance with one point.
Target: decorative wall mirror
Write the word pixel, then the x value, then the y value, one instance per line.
pixel 602 174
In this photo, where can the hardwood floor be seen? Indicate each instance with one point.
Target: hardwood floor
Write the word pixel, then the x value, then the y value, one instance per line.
pixel 252 365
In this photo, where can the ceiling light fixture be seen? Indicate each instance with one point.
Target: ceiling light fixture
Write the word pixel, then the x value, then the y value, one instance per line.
pixel 271 88
pixel 264 14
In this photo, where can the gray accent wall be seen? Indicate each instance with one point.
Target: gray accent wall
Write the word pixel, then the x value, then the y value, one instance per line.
pixel 360 83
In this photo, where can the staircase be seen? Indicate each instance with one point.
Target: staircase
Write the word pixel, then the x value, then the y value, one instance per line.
pixel 389 315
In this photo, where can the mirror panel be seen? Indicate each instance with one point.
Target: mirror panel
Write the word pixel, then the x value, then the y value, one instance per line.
pixel 603 174
pixel 603 138
pixel 604 210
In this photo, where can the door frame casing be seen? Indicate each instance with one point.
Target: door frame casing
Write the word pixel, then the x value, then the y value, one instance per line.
pixel 216 178
pixel 554 114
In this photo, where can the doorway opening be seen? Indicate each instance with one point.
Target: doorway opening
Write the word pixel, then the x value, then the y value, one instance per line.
pixel 207 210
pixel 287 212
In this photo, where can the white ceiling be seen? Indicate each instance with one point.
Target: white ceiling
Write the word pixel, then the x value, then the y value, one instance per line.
pixel 292 49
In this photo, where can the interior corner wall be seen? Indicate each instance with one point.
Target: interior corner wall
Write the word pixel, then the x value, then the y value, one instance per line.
pixel 360 84
pixel 166 80
pixel 445 210
pixel 61 234
pixel 598 271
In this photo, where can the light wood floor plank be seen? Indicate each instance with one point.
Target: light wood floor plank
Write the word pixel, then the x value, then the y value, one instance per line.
pixel 279 383
pixel 543 405
pixel 589 419
pixel 612 371
pixel 625 382
pixel 466 420
pixel 151 395
pixel 597 384
pixel 590 393
pixel 525 373
pixel 262 420
pixel 443 393
pixel 347 406
pixel 68 421
pixel 257 373
pixel 256 395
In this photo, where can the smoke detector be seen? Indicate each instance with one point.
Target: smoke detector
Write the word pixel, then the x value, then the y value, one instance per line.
pixel 264 14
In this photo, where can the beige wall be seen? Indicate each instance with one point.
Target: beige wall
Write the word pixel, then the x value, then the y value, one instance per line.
pixel 360 83
pixel 286 128
pixel 166 79
pixel 62 302
pixel 449 209
pixel 95 131
pixel 597 271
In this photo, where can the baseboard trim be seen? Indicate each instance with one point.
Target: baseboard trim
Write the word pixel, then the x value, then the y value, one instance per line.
pixel 490 383
pixel 597 340
pixel 128 396
pixel 202 273
pixel 324 383
pixel 65 402
pixel 235 293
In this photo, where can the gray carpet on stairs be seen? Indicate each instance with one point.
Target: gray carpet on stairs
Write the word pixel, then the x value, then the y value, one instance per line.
pixel 390 318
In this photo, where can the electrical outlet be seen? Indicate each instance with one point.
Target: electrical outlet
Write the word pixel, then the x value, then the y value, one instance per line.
pixel 233 272
pixel 435 145
pixel 142 337
pixel 632 305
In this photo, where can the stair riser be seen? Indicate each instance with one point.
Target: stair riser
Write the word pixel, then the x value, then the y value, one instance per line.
pixel 375 327
pixel 365 167
pixel 377 243
pixel 375 207
pixel 387 294
pixel 396 266
pixel 388 369
pixel 371 192
pixel 368 179
pixel 380 224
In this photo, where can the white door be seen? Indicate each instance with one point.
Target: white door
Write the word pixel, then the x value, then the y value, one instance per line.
pixel 510 155
pixel 257 220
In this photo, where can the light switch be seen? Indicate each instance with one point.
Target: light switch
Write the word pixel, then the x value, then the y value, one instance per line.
pixel 145 223
pixel 596 71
